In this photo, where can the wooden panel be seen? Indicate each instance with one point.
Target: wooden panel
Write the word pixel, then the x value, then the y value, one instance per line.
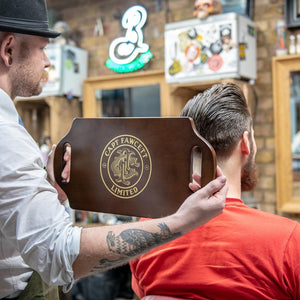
pixel 48 116
pixel 132 166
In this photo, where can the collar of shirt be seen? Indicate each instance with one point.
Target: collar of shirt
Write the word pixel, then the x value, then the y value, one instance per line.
pixel 8 111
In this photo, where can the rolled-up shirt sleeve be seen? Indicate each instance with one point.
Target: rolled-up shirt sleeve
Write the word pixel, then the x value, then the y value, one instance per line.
pixel 32 220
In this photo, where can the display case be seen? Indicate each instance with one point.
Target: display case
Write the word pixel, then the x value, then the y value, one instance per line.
pixel 218 47
pixel 67 71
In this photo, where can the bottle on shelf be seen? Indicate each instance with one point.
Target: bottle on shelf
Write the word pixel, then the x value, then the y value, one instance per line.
pixel 298 44
pixel 292 46
pixel 281 48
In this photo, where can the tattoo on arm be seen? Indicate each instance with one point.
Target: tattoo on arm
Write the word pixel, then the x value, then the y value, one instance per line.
pixel 132 242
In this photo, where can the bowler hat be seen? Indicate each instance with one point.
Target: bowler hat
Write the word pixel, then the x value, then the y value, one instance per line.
pixel 27 17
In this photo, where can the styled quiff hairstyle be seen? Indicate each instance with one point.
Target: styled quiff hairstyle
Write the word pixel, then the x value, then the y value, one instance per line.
pixel 221 116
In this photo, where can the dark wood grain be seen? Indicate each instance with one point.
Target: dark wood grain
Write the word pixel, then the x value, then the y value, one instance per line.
pixel 111 170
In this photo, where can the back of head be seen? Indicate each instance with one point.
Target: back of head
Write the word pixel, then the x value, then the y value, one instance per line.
pixel 221 116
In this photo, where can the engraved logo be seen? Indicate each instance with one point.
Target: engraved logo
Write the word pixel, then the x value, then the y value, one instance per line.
pixel 125 166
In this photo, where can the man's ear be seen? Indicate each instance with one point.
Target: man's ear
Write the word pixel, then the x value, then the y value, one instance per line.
pixel 245 144
pixel 6 49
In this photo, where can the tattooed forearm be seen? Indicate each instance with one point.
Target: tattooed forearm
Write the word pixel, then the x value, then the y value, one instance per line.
pixel 106 264
pixel 132 242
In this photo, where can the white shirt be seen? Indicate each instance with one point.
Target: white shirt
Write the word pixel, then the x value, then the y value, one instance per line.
pixel 35 230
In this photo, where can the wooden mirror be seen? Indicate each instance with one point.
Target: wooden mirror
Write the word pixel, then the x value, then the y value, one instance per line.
pixel 286 97
pixel 92 87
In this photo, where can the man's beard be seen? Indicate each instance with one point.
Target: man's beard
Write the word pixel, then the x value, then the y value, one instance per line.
pixel 24 85
pixel 26 81
pixel 249 175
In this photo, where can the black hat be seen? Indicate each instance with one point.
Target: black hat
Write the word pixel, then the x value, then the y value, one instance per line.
pixel 25 16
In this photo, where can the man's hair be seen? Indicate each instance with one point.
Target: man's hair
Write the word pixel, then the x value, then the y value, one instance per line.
pixel 221 116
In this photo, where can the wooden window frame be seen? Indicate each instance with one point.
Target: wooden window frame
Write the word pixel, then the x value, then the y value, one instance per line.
pixel 287 202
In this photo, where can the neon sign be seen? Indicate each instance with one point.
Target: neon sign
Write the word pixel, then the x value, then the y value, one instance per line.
pixel 130 53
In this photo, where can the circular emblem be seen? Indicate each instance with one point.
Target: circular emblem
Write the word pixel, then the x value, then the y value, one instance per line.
pixel 125 166
pixel 192 52
pixel 215 62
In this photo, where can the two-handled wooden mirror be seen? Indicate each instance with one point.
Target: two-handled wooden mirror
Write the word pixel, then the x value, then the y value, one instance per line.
pixel 286 95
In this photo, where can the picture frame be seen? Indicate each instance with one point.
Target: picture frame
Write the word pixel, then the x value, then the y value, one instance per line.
pixel 292 13
pixel 243 7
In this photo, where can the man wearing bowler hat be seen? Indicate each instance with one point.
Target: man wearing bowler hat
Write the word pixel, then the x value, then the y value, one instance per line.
pixel 39 247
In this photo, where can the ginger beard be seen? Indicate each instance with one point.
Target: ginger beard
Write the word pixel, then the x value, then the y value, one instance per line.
pixel 249 172
pixel 44 78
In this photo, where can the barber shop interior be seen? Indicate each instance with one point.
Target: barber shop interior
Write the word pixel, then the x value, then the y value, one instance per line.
pixel 120 74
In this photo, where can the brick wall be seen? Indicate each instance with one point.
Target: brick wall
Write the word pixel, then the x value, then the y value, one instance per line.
pixel 81 15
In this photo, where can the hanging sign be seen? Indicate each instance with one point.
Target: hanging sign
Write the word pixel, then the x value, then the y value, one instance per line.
pixel 130 53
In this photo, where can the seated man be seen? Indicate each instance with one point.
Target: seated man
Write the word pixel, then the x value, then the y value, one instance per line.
pixel 243 253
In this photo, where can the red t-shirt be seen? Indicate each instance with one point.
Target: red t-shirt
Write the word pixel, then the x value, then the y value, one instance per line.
pixel 243 253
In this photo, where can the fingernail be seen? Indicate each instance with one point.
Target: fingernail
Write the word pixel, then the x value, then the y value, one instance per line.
pixel 222 179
